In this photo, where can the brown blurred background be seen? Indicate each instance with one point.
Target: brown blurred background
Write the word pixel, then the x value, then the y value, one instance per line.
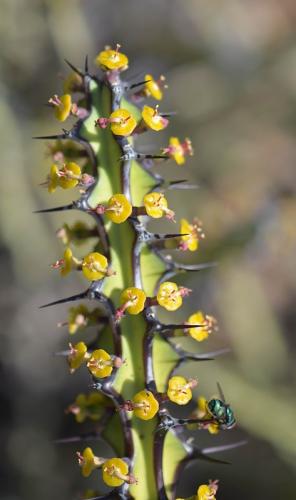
pixel 231 70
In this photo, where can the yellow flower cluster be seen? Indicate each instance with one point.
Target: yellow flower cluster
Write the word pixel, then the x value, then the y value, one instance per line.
pixel 62 106
pixel 156 206
pixel 100 363
pixel 177 150
pixel 66 177
pixel 205 492
pixel 118 208
pixel 207 323
pixel 153 88
pixel 94 266
pixel 81 317
pixel 90 406
pixel 77 356
pixel 77 233
pixel 145 405
pixel 193 233
pixel 114 470
pixel 153 119
pixel 179 389
pixel 110 60
pixel 170 295
pixel 132 301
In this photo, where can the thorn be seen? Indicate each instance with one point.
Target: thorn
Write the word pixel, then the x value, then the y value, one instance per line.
pixel 86 64
pixel 200 357
pixel 206 355
pixel 168 236
pixel 201 456
pixel 141 156
pixel 148 156
pixel 73 298
pixel 217 449
pixel 72 439
pixel 182 184
pixel 51 137
pixel 178 181
pixel 78 71
pixel 188 356
pixel 189 421
pixel 176 326
pixel 169 113
pixel 55 209
pixel 193 267
pixel 134 85
pixel 75 439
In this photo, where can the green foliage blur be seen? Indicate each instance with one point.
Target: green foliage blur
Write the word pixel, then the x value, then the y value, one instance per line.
pixel 231 70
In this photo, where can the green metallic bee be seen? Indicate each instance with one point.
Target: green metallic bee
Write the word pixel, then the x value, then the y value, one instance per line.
pixel 221 411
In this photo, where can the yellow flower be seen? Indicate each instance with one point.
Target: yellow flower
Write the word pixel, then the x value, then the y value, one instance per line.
pixel 169 295
pixel 67 177
pixel 156 206
pixel 145 405
pixel 62 106
pixel 178 150
pixel 63 148
pixel 80 317
pixel 132 300
pixel 77 356
pixel 95 266
pixel 77 318
pixel 65 264
pixel 88 461
pixel 153 119
pixel 89 405
pixel 76 233
pixel 110 59
pixel 153 87
pixel 179 389
pixel 203 413
pixel 193 232
pixel 119 208
pixel 122 122
pixel 115 473
pixel 72 83
pixel 100 364
pixel 207 491
pixel 53 178
pixel 208 325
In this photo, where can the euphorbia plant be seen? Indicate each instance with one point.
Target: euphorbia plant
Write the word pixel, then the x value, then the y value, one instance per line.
pixel 134 365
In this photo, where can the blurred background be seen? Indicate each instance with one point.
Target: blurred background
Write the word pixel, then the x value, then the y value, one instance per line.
pixel 231 70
